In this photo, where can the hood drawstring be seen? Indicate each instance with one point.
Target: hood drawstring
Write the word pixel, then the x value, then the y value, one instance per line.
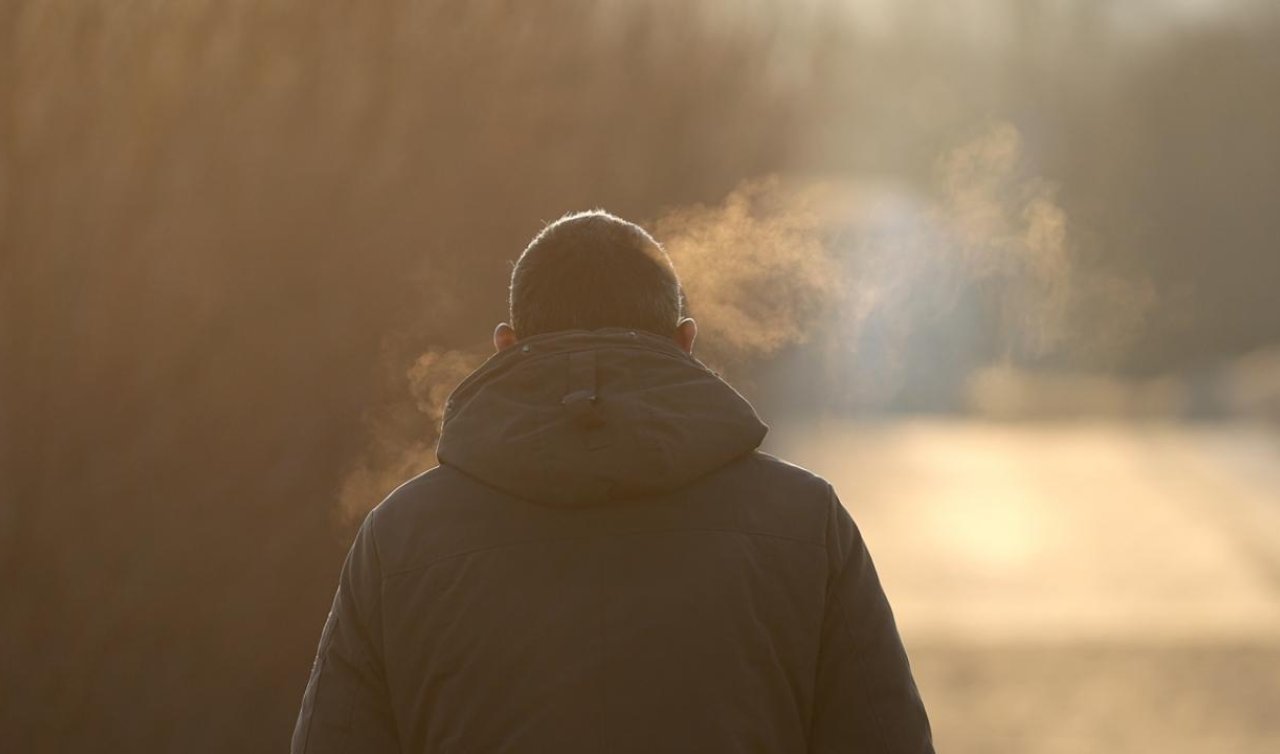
pixel 580 398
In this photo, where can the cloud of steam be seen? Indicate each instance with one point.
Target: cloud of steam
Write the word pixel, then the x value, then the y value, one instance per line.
pixel 404 431
pixel 769 266
pixel 756 269
pixel 1009 226
pixel 980 269
pixel 1002 225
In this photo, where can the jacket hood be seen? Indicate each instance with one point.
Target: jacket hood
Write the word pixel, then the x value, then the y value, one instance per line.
pixel 577 418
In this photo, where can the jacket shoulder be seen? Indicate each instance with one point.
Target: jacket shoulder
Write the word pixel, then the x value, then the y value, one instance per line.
pixel 781 498
pixel 406 499
pixel 781 469
pixel 411 511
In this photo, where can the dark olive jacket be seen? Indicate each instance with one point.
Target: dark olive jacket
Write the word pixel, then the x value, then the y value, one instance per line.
pixel 604 562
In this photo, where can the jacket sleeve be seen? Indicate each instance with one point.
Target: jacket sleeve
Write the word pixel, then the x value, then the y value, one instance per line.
pixel 865 698
pixel 346 705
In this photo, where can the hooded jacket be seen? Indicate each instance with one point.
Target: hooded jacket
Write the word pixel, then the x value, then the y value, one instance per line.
pixel 604 561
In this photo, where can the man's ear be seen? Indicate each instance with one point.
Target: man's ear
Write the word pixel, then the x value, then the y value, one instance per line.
pixel 504 336
pixel 686 331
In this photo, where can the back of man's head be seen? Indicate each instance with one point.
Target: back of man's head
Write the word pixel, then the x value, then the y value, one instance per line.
pixel 589 270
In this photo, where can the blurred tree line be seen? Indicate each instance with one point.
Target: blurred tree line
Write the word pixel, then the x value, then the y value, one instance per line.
pixel 221 221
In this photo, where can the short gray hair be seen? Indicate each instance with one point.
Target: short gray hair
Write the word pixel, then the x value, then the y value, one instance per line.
pixel 592 269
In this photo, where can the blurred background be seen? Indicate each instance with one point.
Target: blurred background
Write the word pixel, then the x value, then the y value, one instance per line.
pixel 1004 270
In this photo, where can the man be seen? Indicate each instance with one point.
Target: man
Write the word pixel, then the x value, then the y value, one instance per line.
pixel 603 561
